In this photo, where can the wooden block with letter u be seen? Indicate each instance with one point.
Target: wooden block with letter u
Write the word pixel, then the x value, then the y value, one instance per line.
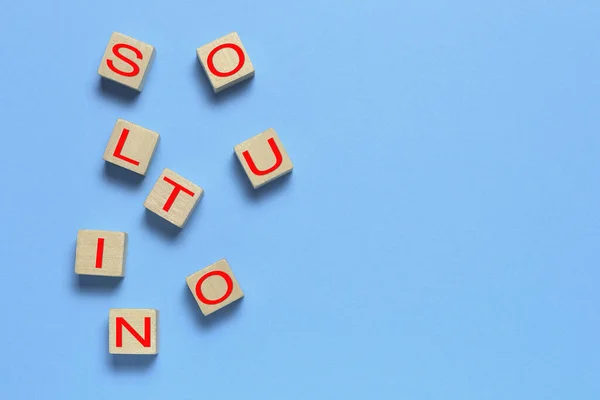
pixel 127 61
pixel 133 331
pixel 225 61
pixel 100 253
pixel 130 146
pixel 214 287
pixel 263 158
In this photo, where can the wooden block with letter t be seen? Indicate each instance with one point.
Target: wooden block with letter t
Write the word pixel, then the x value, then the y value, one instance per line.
pixel 173 198
pixel 100 253
pixel 127 61
pixel 132 331
pixel 225 61
pixel 130 146
pixel 263 158
pixel 214 287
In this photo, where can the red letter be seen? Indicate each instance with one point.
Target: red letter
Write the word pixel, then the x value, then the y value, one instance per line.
pixel 223 275
pixel 178 188
pixel 115 50
pixel 278 159
pixel 119 148
pixel 211 65
pixel 144 341
pixel 99 252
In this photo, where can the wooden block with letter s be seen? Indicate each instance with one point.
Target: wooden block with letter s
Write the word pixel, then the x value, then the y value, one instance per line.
pixel 214 287
pixel 131 146
pixel 127 61
pixel 100 253
pixel 263 158
pixel 133 331
pixel 225 61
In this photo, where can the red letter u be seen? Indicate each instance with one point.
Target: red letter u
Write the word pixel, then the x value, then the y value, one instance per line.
pixel 278 159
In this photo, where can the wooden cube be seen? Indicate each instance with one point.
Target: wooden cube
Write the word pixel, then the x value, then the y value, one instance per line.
pixel 225 61
pixel 263 158
pixel 127 61
pixel 133 331
pixel 214 287
pixel 173 197
pixel 130 146
pixel 100 253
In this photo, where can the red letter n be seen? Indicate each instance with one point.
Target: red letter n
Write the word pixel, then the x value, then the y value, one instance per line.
pixel 144 341
pixel 176 189
pixel 278 159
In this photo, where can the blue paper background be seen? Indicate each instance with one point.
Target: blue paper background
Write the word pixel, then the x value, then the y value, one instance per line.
pixel 438 238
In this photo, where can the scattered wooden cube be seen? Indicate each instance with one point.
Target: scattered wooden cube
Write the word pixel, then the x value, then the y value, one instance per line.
pixel 173 197
pixel 127 61
pixel 130 146
pixel 225 61
pixel 263 158
pixel 132 331
pixel 100 253
pixel 214 287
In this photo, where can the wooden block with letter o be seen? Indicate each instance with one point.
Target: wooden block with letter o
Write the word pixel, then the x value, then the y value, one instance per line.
pixel 133 331
pixel 225 61
pixel 214 287
pixel 130 146
pixel 173 198
pixel 263 158
pixel 100 253
pixel 127 61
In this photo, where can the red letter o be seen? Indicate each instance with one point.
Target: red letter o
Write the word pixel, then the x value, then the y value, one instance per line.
pixel 223 275
pixel 211 65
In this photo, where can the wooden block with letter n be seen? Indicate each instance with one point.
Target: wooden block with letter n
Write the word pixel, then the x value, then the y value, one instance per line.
pixel 214 287
pixel 100 253
pixel 132 331
pixel 263 158
pixel 225 61
pixel 173 197
pixel 131 146
pixel 127 61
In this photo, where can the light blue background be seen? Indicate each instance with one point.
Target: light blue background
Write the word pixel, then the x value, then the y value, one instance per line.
pixel 438 238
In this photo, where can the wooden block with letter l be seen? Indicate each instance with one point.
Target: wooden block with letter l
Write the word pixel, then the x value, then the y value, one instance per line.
pixel 100 253
pixel 130 146
pixel 263 158
pixel 127 61
pixel 225 61
pixel 214 287
pixel 173 198
pixel 133 331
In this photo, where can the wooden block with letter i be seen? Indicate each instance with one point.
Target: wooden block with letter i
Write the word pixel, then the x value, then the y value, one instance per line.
pixel 173 198
pixel 263 158
pixel 100 253
pixel 127 61
pixel 214 287
pixel 225 61
pixel 130 146
pixel 132 331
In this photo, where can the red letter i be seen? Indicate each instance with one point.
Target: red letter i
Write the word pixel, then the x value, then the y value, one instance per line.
pixel 99 252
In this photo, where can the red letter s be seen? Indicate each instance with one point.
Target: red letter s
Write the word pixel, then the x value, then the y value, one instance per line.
pixel 115 50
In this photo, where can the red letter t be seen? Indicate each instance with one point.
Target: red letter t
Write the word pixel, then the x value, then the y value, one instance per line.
pixel 177 188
